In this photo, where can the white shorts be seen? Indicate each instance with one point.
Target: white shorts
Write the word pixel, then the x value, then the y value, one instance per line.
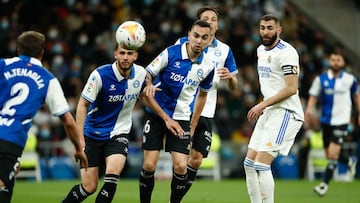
pixel 275 132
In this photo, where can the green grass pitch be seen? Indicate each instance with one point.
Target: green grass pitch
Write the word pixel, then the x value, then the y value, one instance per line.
pixel 203 191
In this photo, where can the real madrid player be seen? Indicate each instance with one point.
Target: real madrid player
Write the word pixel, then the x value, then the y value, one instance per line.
pixel 179 70
pixel 104 117
pixel 279 115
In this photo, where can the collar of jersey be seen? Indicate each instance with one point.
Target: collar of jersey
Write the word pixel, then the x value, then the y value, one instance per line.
pixel 119 76
pixel 185 55
pixel 331 75
pixel 31 60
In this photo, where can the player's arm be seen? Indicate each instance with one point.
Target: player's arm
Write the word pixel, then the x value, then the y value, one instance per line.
pixel 81 111
pixel 172 125
pixel 231 79
pixel 58 106
pixel 290 88
pixel 75 137
pixel 310 106
pixel 198 107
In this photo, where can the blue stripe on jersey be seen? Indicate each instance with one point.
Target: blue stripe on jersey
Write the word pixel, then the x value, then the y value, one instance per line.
pixel 327 94
pixel 280 45
pixel 283 127
pixel 176 71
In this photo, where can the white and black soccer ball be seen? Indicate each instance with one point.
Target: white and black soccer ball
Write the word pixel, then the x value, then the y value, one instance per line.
pixel 130 35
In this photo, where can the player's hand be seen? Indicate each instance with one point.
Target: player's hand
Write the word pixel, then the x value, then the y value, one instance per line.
pixel 255 112
pixel 224 73
pixel 151 89
pixel 174 127
pixel 81 156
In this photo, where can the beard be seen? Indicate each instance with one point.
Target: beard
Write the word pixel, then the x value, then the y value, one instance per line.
pixel 268 41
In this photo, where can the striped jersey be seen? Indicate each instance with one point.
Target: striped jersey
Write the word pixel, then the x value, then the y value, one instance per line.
pixel 179 78
pixel 222 56
pixel 334 94
pixel 112 99
pixel 272 66
pixel 25 86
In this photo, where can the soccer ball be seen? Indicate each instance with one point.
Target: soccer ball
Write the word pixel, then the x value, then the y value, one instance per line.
pixel 130 35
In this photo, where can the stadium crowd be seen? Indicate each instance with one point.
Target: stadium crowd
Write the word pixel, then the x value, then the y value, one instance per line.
pixel 80 36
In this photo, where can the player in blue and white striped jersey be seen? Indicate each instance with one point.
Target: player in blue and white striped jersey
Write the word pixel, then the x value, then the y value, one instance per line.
pixel 26 85
pixel 334 90
pixel 225 72
pixel 104 116
pixel 279 115
pixel 179 70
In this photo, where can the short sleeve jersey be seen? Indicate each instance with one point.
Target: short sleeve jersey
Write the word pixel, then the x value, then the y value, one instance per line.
pixel 222 56
pixel 334 94
pixel 25 86
pixel 112 99
pixel 272 67
pixel 179 78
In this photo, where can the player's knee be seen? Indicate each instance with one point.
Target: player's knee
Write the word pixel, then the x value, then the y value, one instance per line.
pixel 90 187
pixel 149 166
pixel 195 162
pixel 180 168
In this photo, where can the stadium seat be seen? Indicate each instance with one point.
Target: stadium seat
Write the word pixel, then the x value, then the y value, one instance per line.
pixel 30 161
pixel 210 165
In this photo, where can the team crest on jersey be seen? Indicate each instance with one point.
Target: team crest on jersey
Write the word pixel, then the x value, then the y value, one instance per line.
pixel 200 72
pixel 269 59
pixel 177 64
pixel 217 53
pixel 112 87
pixel 136 83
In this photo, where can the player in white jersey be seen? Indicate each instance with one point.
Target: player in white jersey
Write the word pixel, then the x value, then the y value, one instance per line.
pixel 335 90
pixel 25 87
pixel 104 117
pixel 225 71
pixel 179 70
pixel 279 115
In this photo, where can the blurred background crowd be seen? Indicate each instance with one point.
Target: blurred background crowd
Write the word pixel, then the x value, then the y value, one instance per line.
pixel 80 37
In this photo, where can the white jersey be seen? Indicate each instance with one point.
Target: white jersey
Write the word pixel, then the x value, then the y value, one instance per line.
pixel 273 65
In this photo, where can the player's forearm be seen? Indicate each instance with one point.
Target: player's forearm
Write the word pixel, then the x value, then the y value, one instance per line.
pixel 199 106
pixel 151 103
pixel 71 130
pixel 232 82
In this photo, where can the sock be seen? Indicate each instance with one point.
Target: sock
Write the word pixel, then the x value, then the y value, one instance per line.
pixel 7 191
pixel 252 181
pixel 107 192
pixel 266 182
pixel 178 187
pixel 329 171
pixel 146 185
pixel 76 194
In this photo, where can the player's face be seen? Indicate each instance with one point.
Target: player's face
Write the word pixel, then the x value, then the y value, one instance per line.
pixel 269 32
pixel 210 17
pixel 125 58
pixel 336 62
pixel 199 38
